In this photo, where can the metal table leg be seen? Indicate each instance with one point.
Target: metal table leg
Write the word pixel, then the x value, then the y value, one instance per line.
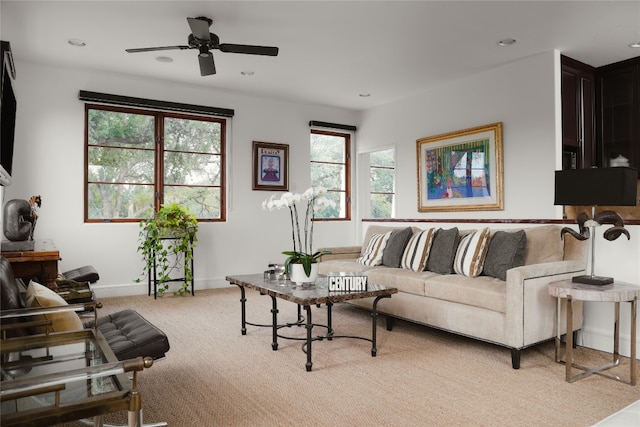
pixel 274 323
pixel 329 322
pixel 569 346
pixel 243 310
pixel 374 321
pixel 309 364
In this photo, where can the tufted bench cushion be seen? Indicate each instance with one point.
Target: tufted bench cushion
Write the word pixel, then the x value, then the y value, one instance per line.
pixel 82 274
pixel 130 335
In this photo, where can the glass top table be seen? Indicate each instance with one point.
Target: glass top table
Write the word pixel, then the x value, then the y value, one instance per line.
pixel 60 377
pixel 306 296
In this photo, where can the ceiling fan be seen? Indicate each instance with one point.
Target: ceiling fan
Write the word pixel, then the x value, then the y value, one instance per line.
pixel 201 39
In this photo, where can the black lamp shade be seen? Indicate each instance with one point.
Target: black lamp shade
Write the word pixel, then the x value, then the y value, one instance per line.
pixel 596 187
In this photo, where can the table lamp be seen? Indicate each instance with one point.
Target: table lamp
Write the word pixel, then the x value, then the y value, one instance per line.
pixel 596 187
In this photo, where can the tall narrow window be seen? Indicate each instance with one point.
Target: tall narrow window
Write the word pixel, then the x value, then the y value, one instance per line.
pixel 330 168
pixel 138 160
pixel 382 173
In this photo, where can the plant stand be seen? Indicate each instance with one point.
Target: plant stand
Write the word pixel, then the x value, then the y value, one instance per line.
pixel 152 273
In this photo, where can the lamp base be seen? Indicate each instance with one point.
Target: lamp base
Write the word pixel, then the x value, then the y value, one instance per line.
pixel 592 280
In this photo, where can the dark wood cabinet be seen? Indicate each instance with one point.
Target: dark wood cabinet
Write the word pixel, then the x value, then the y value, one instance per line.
pixel 618 112
pixel 578 114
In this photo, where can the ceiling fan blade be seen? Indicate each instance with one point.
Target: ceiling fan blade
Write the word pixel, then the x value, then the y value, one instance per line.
pixel 249 49
pixel 200 28
pixel 151 49
pixel 207 66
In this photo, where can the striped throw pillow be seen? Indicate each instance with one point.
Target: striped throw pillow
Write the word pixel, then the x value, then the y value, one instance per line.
pixel 471 253
pixel 416 253
pixel 372 254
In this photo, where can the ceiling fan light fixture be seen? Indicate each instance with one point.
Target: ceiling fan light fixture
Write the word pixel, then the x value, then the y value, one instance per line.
pixel 205 41
pixel 635 45
pixel 76 43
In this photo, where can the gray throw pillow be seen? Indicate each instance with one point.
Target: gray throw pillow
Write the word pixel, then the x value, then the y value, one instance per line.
pixel 443 251
pixel 506 250
pixel 398 240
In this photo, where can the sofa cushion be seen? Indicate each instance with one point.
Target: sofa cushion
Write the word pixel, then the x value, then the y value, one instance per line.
pixel 394 249
pixel 411 282
pixel 443 251
pixel 482 291
pixel 506 250
pixel 41 296
pixel 471 252
pixel 416 253
pixel 372 255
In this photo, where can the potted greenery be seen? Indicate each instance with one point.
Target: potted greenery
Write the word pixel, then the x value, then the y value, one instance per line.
pixel 301 264
pixel 165 239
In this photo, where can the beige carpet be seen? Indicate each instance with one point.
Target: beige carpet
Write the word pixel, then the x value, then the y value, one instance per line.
pixel 214 376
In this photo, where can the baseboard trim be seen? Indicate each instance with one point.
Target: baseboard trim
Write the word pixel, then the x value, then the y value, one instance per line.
pixel 603 341
pixel 130 289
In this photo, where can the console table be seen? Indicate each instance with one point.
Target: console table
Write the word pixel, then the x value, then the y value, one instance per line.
pixel 41 262
pixel 616 292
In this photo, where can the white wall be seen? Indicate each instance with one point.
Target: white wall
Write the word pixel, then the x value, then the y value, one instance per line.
pixel 524 96
pixel 520 95
pixel 49 158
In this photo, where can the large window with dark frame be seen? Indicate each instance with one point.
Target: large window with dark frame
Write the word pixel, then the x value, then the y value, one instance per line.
pixel 330 168
pixel 138 160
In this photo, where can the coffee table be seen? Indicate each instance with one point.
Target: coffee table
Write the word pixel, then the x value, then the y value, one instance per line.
pixel 306 296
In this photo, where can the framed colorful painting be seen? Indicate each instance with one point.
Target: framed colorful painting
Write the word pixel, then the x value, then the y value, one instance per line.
pixel 270 166
pixel 461 171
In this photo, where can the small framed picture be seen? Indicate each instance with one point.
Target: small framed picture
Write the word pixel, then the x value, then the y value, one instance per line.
pixel 270 166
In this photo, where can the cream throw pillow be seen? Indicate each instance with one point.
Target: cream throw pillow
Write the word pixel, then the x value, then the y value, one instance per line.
pixel 471 253
pixel 416 253
pixel 41 296
pixel 372 254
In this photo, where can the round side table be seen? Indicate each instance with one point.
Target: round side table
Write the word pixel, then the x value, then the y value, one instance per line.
pixel 616 292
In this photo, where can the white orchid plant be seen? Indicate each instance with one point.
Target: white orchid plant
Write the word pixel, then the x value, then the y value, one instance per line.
pixel 315 201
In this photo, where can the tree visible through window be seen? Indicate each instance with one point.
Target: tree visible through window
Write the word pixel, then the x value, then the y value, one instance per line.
pixel 382 172
pixel 137 160
pixel 330 168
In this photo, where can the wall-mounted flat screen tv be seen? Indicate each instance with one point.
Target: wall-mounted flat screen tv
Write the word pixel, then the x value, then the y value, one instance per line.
pixel 8 107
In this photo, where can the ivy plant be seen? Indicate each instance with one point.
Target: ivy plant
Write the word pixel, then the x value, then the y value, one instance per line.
pixel 168 238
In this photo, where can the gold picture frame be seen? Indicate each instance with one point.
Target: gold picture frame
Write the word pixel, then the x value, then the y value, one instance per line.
pixel 461 171
pixel 270 166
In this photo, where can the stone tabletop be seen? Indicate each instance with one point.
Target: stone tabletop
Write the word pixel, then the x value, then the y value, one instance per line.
pixel 614 292
pixel 307 294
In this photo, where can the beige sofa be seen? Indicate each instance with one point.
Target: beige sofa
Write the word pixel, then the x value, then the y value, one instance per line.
pixel 516 313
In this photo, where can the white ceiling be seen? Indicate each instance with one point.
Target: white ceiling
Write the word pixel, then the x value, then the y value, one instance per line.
pixel 330 51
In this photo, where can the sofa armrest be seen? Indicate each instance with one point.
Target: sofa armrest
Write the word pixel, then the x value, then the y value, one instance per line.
pixel 546 269
pixel 341 252
pixel 531 311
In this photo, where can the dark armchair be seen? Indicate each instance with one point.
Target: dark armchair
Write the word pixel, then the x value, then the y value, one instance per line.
pixel 128 333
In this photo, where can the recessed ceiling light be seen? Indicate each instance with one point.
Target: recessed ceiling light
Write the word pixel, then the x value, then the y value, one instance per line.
pixel 76 42
pixel 507 42
pixel 164 59
pixel 364 95
pixel 635 44
pixel 246 73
